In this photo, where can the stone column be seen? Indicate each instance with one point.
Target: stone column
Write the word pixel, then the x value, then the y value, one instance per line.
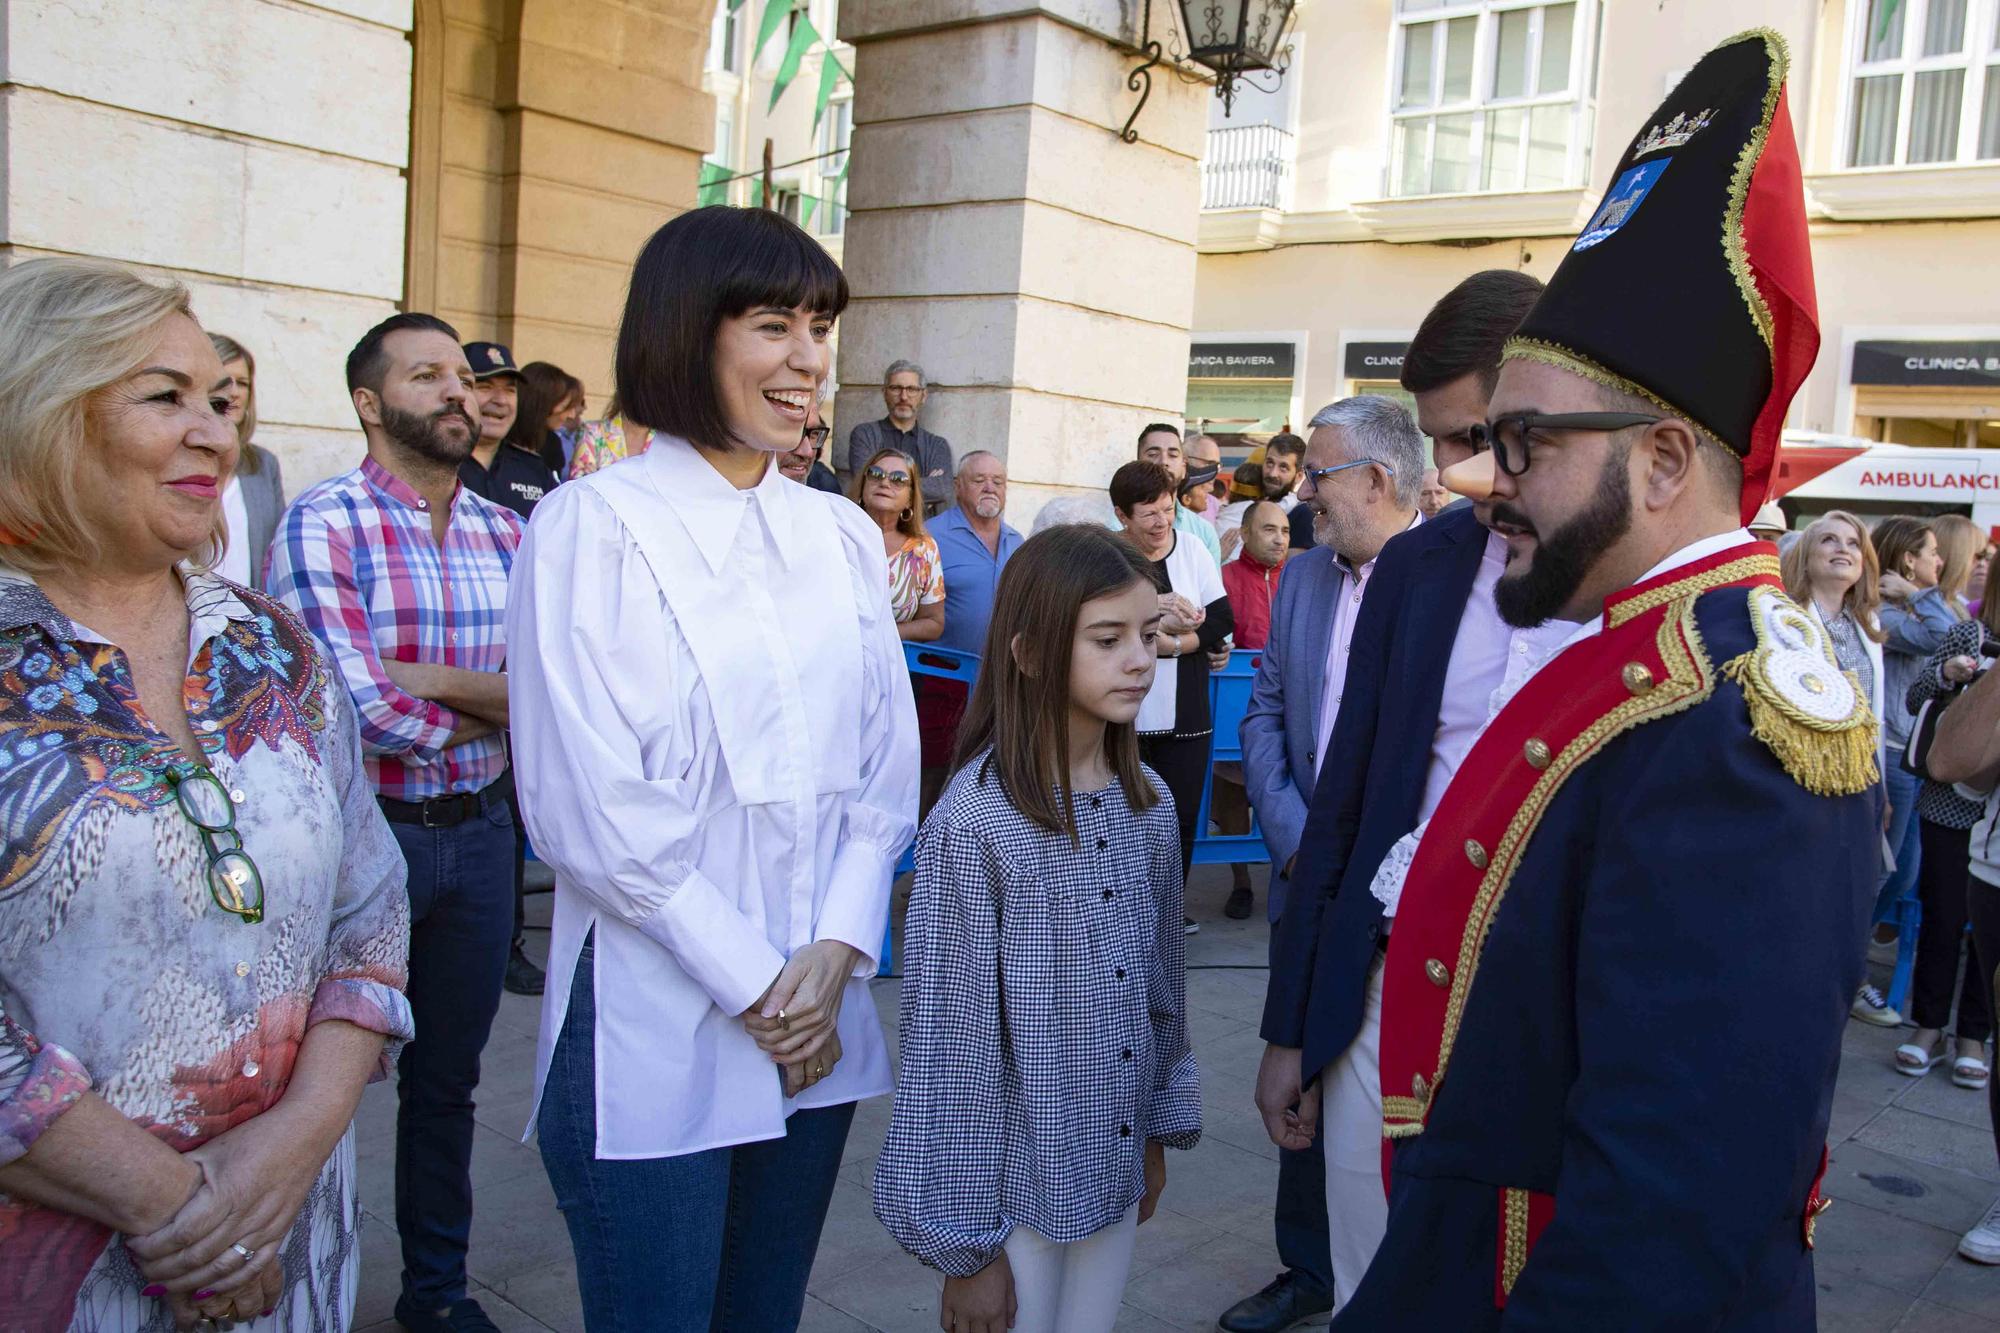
pixel 1003 237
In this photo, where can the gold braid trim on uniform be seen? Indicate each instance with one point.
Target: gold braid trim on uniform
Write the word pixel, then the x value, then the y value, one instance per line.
pixel 1564 358
pixel 1720 577
pixel 1733 248
pixel 1828 756
pixel 1690 678
pixel 1513 1238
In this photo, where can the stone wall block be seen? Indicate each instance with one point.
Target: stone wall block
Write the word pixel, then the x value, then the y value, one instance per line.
pixel 910 164
pixel 958 341
pixel 1099 266
pixel 192 185
pixel 937 74
pixel 970 250
pixel 1086 170
pixel 325 222
pixel 560 219
pixel 592 158
pixel 1116 20
pixel 562 83
pixel 469 278
pixel 276 72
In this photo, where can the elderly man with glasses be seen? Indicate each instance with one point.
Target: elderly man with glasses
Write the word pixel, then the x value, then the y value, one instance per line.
pixel 904 390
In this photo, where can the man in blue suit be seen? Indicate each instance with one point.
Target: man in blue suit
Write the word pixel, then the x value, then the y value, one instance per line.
pixel 1428 651
pixel 1363 464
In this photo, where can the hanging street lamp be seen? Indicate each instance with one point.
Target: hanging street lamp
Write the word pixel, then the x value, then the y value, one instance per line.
pixel 1232 39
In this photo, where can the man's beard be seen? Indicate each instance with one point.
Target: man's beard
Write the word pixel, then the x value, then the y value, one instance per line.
pixel 1330 530
pixel 425 436
pixel 1275 490
pixel 1564 557
pixel 987 507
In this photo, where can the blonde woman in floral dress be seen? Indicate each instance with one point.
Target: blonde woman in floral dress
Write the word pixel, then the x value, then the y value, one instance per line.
pixel 886 488
pixel 203 928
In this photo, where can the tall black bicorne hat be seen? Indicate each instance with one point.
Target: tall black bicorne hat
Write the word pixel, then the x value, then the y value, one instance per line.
pixel 1692 284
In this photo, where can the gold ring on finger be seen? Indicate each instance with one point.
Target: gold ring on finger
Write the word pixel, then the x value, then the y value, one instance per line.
pixel 784 1022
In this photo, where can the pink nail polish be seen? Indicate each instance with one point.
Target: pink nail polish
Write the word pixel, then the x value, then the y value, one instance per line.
pixel 153 1289
pixel 204 1295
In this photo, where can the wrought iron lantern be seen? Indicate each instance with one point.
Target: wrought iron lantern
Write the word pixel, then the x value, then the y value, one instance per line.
pixel 1233 39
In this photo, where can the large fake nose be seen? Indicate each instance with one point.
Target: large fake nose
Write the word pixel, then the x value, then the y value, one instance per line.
pixel 1473 478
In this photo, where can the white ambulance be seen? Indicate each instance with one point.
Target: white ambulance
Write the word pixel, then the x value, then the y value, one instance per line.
pixel 1821 472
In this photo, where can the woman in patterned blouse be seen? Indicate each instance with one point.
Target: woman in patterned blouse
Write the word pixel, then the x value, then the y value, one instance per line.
pixel 1044 1059
pixel 887 488
pixel 203 930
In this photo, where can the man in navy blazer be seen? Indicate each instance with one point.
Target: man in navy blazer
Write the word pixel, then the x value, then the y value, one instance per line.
pixel 1428 618
pixel 1362 468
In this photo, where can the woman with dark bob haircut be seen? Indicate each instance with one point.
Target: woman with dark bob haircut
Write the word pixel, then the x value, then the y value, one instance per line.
pixel 716 750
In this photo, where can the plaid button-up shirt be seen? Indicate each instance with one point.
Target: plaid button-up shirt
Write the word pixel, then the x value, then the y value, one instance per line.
pixel 355 557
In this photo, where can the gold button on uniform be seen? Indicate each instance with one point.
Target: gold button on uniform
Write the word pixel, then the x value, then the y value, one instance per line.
pixel 1439 974
pixel 1475 854
pixel 1638 678
pixel 1537 754
pixel 243 969
pixel 1420 1087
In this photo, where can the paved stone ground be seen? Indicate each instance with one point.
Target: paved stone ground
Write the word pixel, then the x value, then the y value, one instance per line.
pixel 1913 1166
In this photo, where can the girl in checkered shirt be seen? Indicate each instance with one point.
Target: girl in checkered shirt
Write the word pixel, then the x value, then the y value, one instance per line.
pixel 1044 1056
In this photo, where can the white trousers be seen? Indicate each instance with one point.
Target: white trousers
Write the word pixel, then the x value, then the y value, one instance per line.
pixel 1357 1212
pixel 1072 1288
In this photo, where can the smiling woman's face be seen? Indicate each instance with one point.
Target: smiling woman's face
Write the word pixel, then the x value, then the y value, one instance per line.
pixel 1834 561
pixel 159 447
pixel 768 366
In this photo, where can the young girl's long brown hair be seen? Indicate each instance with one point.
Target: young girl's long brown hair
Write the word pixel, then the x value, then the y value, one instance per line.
pixel 1020 705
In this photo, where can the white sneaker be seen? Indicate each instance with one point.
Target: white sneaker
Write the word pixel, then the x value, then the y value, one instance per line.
pixel 1870 1007
pixel 1982 1243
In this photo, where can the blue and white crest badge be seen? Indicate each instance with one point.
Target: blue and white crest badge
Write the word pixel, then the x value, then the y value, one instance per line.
pixel 1621 202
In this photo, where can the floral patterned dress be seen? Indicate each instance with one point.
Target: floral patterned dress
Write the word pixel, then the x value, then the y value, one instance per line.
pixel 118 973
pixel 599 444
pixel 916 577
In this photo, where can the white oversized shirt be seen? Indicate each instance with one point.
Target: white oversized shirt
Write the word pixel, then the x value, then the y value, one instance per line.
pixel 715 745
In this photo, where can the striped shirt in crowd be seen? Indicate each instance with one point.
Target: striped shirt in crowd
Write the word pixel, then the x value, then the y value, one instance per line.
pixel 355 557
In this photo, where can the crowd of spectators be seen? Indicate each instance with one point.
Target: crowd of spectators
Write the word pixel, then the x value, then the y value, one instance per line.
pixel 377 656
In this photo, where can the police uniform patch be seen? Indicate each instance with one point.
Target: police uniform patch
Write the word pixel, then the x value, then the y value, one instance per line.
pixel 1802 705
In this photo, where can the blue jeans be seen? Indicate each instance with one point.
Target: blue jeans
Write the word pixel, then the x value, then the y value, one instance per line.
pixel 1902 787
pixel 461 918
pixel 1300 1217
pixel 720 1240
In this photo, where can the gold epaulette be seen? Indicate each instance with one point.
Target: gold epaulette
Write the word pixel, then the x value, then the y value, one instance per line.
pixel 1813 716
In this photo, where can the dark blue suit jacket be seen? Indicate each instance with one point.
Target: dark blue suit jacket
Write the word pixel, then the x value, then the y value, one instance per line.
pixel 1371 784
pixel 1652 1040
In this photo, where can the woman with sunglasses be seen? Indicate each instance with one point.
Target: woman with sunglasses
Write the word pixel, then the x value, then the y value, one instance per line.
pixel 203 929
pixel 717 752
pixel 888 488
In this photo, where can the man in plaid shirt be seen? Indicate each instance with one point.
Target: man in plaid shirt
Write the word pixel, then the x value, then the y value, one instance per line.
pixel 402 575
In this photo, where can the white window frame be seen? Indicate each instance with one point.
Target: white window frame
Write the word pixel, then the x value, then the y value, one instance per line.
pixel 831 208
pixel 1580 98
pixel 726 39
pixel 1980 55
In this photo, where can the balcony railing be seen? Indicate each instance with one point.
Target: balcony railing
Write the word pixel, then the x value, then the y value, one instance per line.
pixel 1247 166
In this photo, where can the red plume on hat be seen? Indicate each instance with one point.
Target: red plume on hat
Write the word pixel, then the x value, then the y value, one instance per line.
pixel 1779 256
pixel 1648 303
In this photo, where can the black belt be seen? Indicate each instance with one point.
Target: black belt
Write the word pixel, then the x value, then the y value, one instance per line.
pixel 437 812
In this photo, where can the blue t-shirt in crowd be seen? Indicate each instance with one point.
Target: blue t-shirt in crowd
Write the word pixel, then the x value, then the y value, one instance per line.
pixel 971 577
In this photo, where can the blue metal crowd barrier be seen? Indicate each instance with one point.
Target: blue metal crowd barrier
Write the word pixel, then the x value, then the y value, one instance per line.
pixel 1228 700
pixel 924 659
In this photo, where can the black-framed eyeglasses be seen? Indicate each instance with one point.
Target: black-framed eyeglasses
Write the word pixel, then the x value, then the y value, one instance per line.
pixel 1318 474
pixel 1509 436
pixel 815 435
pixel 233 878
pixel 878 474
